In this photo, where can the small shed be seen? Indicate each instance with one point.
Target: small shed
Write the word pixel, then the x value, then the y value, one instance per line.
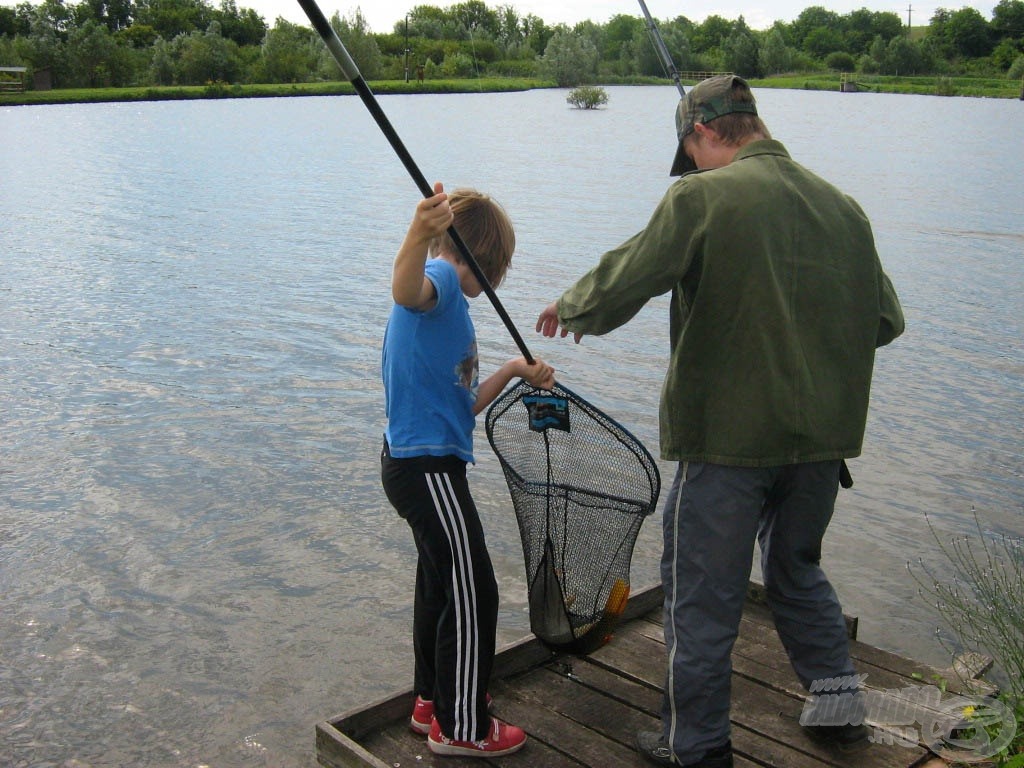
pixel 42 79
pixel 12 79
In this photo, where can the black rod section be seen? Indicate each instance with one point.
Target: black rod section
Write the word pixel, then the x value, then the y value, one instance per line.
pixel 341 55
pixel 659 46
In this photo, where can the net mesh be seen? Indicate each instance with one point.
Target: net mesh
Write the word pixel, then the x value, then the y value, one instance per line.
pixel 581 485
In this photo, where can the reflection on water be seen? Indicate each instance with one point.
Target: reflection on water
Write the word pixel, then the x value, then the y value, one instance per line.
pixel 196 560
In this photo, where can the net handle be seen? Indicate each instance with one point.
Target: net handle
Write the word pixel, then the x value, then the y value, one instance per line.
pixel 348 66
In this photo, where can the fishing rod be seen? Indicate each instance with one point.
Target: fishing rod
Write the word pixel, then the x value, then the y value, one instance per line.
pixel 659 46
pixel 341 55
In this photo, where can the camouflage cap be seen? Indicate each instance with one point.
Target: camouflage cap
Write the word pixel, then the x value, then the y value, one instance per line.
pixel 707 100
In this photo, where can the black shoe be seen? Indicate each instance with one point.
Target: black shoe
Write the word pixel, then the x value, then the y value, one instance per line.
pixel 651 745
pixel 845 738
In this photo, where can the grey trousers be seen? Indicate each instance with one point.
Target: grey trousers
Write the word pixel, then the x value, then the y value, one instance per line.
pixel 712 516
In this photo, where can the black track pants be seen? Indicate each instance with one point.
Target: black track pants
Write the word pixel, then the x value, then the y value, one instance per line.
pixel 456 602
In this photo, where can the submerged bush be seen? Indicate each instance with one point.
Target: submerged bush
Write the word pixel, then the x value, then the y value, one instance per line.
pixel 587 97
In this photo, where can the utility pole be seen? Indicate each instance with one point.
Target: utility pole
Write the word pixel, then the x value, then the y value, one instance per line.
pixel 407 47
pixel 908 19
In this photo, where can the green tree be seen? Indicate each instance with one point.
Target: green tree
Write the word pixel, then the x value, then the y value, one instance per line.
pixel 620 31
pixel 775 56
pixel 206 57
pixel 860 31
pixel 1016 71
pixel 424 21
pixel 879 53
pixel 813 18
pixel 537 34
pixel 161 66
pixel 138 36
pixel 1008 21
pixel 821 41
pixel 15 21
pixel 1004 54
pixel 171 18
pixel 354 33
pixel 569 59
pixel 44 46
pixel 52 17
pixel 477 18
pixel 596 34
pixel 245 26
pixel 90 52
pixel 510 29
pixel 903 57
pixel 677 34
pixel 840 61
pixel 710 34
pixel 740 51
pixel 290 53
pixel 646 60
pixel 969 33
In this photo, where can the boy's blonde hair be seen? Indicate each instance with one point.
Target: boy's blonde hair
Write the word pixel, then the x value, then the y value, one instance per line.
pixel 485 228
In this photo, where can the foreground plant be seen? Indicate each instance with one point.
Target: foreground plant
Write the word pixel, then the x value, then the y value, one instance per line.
pixel 983 605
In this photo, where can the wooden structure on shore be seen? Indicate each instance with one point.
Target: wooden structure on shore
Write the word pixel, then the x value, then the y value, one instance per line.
pixel 12 79
pixel 584 711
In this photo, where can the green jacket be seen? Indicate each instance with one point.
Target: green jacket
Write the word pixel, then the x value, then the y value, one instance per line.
pixel 778 303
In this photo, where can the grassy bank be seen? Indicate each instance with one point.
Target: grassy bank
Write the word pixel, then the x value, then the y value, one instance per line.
pixel 225 91
pixel 926 85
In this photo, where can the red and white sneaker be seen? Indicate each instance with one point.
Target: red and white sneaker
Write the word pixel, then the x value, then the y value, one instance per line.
pixel 423 713
pixel 501 739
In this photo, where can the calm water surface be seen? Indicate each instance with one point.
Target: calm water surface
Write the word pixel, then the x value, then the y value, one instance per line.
pixel 196 560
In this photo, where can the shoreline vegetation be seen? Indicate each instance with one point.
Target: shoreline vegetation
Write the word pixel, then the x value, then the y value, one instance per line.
pixel 930 85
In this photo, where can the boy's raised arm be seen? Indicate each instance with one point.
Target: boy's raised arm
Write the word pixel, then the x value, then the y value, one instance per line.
pixel 409 287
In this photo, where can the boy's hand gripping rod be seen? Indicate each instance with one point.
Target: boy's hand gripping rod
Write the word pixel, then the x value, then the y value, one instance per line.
pixel 340 54
pixel 659 46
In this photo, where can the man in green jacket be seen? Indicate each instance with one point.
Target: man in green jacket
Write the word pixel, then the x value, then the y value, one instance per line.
pixel 778 304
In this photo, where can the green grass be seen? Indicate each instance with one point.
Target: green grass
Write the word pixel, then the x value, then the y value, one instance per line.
pixel 226 91
pixel 932 85
pixel 928 85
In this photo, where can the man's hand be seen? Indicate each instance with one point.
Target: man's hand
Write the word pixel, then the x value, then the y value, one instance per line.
pixel 547 323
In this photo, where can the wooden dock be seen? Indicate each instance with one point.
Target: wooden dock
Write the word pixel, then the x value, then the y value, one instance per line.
pixel 584 711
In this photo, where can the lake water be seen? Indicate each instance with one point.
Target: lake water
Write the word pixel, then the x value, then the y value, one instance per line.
pixel 197 563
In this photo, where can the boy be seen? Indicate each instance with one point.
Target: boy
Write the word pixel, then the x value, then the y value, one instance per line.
pixel 432 395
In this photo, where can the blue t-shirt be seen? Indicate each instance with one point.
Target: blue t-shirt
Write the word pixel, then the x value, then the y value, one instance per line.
pixel 431 373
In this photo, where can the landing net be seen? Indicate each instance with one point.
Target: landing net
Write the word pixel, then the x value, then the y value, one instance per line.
pixel 581 485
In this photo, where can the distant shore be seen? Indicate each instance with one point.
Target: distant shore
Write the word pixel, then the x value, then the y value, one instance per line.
pixel 921 85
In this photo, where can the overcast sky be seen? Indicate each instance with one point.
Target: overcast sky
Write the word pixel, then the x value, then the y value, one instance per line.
pixel 382 15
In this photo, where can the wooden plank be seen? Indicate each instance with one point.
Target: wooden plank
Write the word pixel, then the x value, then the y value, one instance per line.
pixel 556 711
pixel 776 715
pixel 404 748
pixel 762 676
pixel 336 750
pixel 758 749
pixel 584 711
pixel 341 740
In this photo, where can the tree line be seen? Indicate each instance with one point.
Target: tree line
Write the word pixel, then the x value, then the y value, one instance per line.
pixel 111 43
